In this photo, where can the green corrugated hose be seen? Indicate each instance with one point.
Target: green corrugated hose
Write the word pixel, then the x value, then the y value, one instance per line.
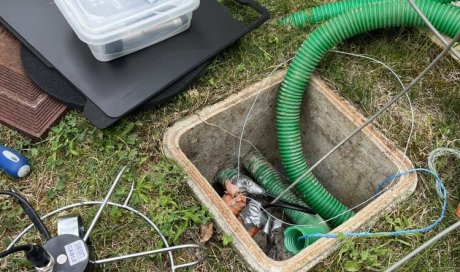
pixel 446 18
pixel 224 174
pixel 324 12
pixel 267 177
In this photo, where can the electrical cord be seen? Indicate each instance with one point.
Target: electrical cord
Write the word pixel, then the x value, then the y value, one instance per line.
pixel 286 205
pixel 36 254
pixel 29 211
pixel 25 248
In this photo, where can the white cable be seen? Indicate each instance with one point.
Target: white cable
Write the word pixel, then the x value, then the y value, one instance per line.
pixel 407 96
pixel 262 85
pixel 435 154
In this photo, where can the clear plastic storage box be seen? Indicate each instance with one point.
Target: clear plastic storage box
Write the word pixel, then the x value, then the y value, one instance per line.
pixel 114 28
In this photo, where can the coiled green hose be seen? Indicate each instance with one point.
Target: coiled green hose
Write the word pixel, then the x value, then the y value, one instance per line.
pixel 446 18
pixel 324 12
pixel 267 177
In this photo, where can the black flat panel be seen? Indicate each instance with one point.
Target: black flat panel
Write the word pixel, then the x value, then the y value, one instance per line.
pixel 119 86
pixel 56 86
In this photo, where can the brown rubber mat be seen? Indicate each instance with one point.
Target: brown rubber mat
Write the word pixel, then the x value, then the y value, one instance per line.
pixel 24 106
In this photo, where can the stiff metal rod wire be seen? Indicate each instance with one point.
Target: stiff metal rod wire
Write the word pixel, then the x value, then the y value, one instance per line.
pixel 101 208
pixel 423 247
pixel 150 252
pixel 432 28
pixel 373 117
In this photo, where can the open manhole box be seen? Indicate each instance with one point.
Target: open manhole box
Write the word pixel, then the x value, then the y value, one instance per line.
pixel 207 142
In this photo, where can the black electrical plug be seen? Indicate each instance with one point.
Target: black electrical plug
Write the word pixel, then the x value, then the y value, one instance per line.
pixel 36 254
pixel 39 257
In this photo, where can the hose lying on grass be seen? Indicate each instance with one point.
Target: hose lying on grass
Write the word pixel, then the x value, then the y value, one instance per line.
pixel 324 12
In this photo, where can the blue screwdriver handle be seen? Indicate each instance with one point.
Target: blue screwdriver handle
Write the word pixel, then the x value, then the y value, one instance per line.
pixel 13 163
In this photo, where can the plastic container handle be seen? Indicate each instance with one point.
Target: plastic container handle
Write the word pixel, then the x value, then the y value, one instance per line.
pixel 13 163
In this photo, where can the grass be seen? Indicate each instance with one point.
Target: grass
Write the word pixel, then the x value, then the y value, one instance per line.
pixel 78 162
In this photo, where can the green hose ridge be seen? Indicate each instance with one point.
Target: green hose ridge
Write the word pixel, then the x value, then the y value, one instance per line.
pixel 226 173
pixel 446 18
pixel 291 238
pixel 267 177
pixel 324 12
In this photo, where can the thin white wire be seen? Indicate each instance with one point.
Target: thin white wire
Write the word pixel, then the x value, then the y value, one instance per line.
pixel 435 154
pixel 407 96
pixel 402 159
pixel 455 140
pixel 262 85
pixel 438 152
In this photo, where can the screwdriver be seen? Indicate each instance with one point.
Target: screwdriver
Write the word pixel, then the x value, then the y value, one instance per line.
pixel 13 163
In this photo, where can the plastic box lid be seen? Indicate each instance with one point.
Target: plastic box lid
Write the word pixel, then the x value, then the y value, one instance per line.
pixel 104 21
